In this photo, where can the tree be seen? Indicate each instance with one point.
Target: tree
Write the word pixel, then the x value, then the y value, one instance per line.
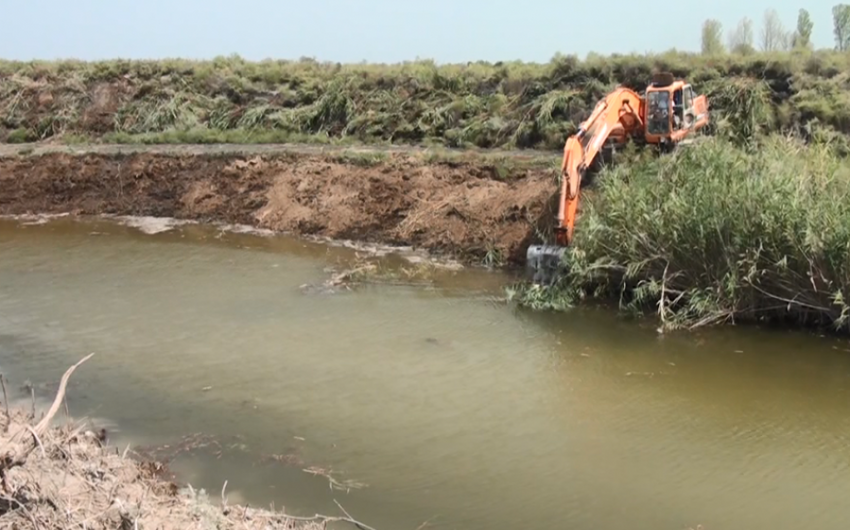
pixel 841 26
pixel 803 35
pixel 773 34
pixel 712 32
pixel 741 39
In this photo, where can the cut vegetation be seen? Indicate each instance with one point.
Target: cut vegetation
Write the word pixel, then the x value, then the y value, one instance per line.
pixel 502 105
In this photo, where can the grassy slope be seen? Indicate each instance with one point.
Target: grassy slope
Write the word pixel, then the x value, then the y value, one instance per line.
pixel 506 105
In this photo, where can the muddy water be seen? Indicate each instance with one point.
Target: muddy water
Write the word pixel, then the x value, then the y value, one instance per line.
pixel 451 408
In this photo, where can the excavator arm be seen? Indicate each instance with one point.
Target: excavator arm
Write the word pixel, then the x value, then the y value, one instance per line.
pixel 615 118
pixel 618 115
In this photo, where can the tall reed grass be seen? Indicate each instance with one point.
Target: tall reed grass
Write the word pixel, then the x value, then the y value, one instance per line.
pixel 717 232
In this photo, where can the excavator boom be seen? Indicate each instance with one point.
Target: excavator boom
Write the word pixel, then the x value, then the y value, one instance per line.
pixel 616 117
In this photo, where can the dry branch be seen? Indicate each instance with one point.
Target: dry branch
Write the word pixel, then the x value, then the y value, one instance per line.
pixel 6 403
pixel 333 483
pixel 16 454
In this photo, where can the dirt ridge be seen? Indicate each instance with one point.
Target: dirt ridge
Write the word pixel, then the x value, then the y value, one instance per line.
pixel 465 206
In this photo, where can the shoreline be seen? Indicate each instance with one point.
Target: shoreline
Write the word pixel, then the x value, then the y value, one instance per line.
pixel 64 474
pixel 463 206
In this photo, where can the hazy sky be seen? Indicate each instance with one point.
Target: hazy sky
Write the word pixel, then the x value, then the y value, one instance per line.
pixel 373 30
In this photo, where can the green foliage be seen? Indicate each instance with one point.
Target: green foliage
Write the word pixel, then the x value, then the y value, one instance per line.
pixel 841 26
pixel 19 136
pixel 712 37
pixel 501 105
pixel 717 232
pixel 803 35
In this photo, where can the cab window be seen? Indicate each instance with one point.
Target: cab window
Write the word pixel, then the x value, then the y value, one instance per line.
pixel 678 108
pixel 689 97
pixel 658 112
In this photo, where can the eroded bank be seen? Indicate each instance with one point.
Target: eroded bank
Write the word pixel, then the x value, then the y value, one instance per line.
pixel 467 206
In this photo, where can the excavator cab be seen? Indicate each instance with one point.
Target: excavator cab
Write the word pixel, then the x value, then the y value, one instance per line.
pixel 673 110
pixel 658 110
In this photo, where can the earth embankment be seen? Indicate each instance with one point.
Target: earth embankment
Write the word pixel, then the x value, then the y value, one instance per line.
pixel 466 206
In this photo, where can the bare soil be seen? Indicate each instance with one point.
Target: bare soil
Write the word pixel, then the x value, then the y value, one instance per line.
pixel 467 206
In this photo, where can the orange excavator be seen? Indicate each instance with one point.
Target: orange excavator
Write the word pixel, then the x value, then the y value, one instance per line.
pixel 665 116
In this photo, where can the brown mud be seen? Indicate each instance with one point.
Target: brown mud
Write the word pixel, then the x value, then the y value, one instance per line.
pixel 465 206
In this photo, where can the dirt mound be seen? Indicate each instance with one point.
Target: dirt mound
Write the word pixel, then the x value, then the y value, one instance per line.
pixel 465 209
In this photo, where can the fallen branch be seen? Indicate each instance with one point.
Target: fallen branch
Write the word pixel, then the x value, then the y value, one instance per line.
pixel 351 520
pixel 6 403
pixel 347 276
pixel 318 518
pixel 17 454
pixel 333 483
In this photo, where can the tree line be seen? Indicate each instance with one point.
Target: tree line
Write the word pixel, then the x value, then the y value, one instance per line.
pixel 773 35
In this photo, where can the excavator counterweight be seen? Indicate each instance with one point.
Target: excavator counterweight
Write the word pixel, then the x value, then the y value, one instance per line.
pixel 664 116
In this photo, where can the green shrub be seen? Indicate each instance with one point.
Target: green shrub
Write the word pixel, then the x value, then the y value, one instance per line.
pixel 19 136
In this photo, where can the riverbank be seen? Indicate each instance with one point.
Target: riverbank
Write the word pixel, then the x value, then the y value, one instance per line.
pixel 461 161
pixel 64 475
pixel 726 231
pixel 475 207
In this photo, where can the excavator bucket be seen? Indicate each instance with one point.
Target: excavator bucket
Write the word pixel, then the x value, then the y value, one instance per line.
pixel 543 263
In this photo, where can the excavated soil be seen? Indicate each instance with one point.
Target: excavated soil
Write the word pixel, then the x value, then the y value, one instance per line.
pixel 465 209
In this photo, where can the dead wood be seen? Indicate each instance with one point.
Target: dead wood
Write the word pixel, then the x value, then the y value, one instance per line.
pixel 17 453
pixel 6 403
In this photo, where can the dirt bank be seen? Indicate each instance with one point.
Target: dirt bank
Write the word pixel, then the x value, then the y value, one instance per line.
pixel 465 206
pixel 66 476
